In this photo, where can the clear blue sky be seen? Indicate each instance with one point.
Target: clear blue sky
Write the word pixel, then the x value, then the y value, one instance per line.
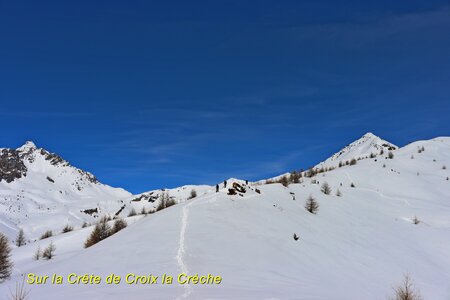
pixel 150 94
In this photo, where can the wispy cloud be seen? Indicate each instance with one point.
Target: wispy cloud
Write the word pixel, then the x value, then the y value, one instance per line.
pixel 395 32
pixel 191 113
pixel 46 114
pixel 390 25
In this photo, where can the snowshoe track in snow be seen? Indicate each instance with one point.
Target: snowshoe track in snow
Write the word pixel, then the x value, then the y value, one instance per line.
pixel 181 250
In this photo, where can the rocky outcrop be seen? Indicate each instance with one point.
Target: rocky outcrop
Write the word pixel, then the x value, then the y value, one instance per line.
pixel 14 162
pixel 11 165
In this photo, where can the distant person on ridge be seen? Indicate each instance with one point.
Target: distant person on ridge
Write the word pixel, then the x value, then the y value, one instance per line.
pixel 217 188
pixel 224 183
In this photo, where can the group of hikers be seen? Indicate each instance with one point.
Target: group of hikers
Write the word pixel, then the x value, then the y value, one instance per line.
pixel 225 185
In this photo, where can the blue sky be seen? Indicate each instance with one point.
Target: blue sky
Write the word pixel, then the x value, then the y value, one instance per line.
pixel 150 94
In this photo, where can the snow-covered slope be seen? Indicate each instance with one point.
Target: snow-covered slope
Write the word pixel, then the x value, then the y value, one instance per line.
pixel 40 191
pixel 362 148
pixel 358 245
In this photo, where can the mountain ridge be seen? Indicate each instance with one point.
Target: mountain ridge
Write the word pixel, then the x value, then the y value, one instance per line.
pixel 36 185
pixel 390 217
pixel 102 199
pixel 369 144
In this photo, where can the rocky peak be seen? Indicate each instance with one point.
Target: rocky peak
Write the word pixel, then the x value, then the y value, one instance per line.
pixel 15 163
pixel 363 147
pixel 27 147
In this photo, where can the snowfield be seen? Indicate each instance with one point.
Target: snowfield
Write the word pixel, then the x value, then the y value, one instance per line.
pixel 52 194
pixel 357 246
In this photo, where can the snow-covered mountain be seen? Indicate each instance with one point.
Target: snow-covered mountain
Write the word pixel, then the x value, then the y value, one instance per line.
pixel 392 218
pixel 368 144
pixel 41 191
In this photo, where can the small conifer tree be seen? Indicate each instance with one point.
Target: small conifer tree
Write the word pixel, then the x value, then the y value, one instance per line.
pixel 132 212
pixel 46 234
pixel 20 241
pixel 326 189
pixel 311 205
pixel 67 228
pixel 407 291
pixel 284 181
pixel 193 194
pixel 101 231
pixel 119 224
pixel 5 258
pixel 49 252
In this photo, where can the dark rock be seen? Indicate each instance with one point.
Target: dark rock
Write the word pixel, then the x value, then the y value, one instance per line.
pixel 11 165
pixel 239 187
pixel 120 210
pixel 231 192
pixel 90 211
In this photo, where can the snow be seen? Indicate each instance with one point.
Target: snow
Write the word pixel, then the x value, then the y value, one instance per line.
pixel 357 246
pixel 29 145
pixel 362 148
pixel 51 195
pixel 181 249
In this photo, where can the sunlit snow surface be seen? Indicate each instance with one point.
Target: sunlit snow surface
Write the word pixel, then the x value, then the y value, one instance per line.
pixel 357 246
